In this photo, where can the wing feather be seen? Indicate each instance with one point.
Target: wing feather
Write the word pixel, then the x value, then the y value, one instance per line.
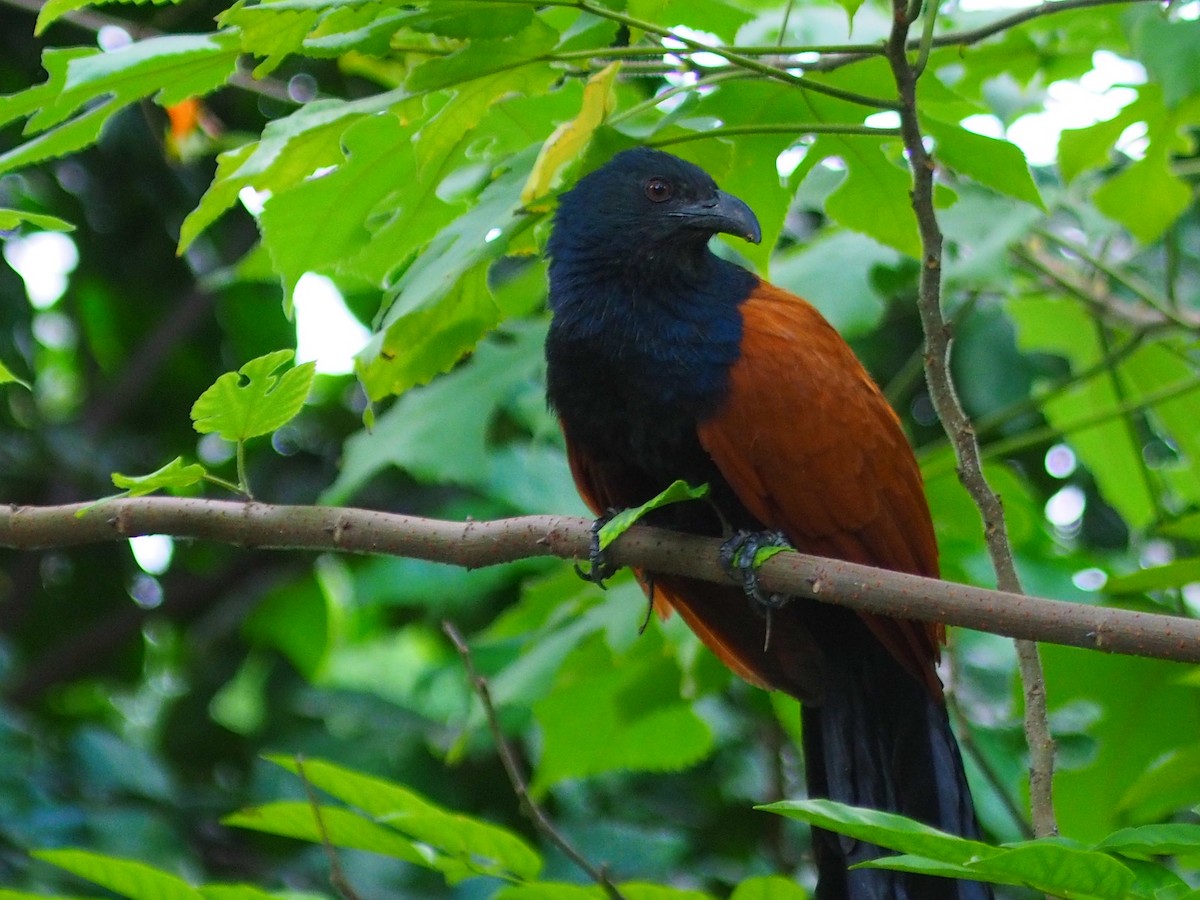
pixel 810 446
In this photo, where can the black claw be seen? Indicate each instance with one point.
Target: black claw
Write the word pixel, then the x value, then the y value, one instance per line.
pixel 737 556
pixel 648 582
pixel 600 569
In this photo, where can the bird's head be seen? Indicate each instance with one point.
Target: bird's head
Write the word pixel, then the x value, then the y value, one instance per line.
pixel 647 205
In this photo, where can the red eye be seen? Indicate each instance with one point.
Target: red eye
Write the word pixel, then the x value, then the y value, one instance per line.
pixel 658 189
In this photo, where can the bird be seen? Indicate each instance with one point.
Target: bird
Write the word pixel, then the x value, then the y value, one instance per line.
pixel 666 362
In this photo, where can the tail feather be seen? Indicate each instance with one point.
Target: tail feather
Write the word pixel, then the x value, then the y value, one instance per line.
pixel 880 739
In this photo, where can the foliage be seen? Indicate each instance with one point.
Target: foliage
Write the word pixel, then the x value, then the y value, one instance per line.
pixel 410 153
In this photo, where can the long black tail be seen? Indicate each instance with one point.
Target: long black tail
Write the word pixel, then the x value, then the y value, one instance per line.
pixel 881 740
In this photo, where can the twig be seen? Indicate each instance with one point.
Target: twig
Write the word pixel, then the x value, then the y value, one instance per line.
pixel 971 748
pixel 1033 437
pixel 535 813
pixel 1126 314
pixel 1141 290
pixel 958 426
pixel 476 543
pixel 975 35
pixel 337 875
pixel 796 129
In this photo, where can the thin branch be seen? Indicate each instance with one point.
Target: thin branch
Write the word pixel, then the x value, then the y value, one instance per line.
pixel 993 421
pixel 1018 442
pixel 1144 292
pixel 1000 786
pixel 975 35
pixel 474 544
pixel 1126 314
pixel 509 760
pixel 337 875
pixel 958 426
pixel 796 129
pixel 730 55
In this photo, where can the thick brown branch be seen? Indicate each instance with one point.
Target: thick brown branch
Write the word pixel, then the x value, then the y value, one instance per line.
pixel 474 544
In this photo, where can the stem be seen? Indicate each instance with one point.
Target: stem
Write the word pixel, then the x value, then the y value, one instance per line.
pixel 243 481
pixel 1020 442
pixel 224 483
pixel 958 426
pixel 509 760
pixel 734 57
pixel 797 129
pixel 337 875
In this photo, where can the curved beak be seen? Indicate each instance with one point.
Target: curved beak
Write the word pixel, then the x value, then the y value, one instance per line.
pixel 723 214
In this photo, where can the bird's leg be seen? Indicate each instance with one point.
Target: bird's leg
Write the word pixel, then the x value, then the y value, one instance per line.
pixel 740 557
pixel 599 569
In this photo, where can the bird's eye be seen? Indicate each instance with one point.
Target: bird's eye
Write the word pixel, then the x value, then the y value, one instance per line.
pixel 658 189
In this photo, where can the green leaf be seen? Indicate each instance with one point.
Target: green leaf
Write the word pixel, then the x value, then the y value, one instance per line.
pixel 7 377
pixel 85 88
pixel 247 892
pixel 1169 785
pixel 769 887
pixel 992 162
pixel 1108 448
pixel 323 220
pixel 482 58
pixel 442 303
pixel 1082 149
pixel 678 492
pixel 438 433
pixel 1158 365
pixel 568 140
pixel 171 477
pixel 550 890
pixel 1145 841
pixel 298 619
pixel 289 151
pixel 844 294
pixel 268 31
pixel 478 111
pixel 851 7
pixel 1041 865
pixel 885 829
pixel 11 218
pixel 634 702
pixel 129 878
pixel 476 845
pixel 873 197
pixel 252 400
pixel 1157 578
pixel 471 19
pixel 1170 51
pixel 1146 198
pixel 344 828
pixel 1186 526
pixel 53 10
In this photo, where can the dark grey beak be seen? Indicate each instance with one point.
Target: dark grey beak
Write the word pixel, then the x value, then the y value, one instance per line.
pixel 723 214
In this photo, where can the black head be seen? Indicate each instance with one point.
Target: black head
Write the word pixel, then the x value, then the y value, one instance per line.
pixel 647 203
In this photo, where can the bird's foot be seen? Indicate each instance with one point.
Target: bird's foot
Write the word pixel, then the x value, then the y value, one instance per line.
pixel 599 568
pixel 742 556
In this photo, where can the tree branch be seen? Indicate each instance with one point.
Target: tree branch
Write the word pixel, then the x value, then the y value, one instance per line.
pixel 509 760
pixel 954 418
pixel 475 544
